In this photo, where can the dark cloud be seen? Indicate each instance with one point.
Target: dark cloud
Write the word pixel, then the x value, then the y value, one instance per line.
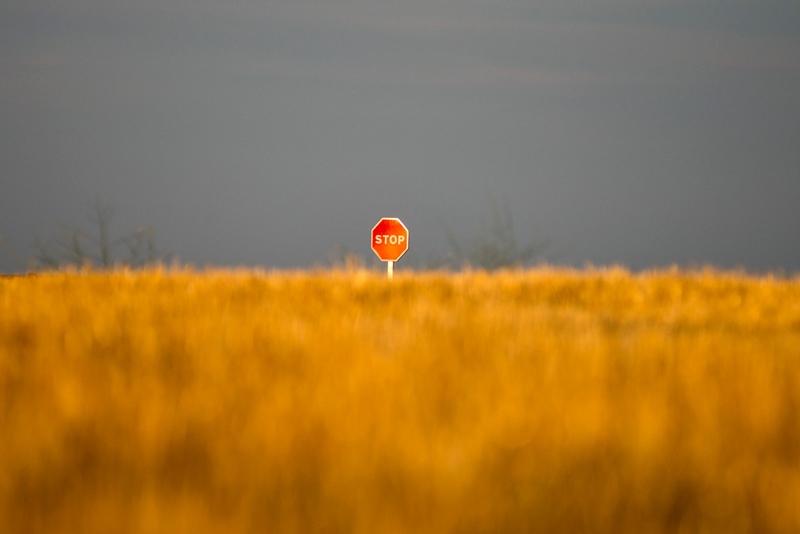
pixel 645 133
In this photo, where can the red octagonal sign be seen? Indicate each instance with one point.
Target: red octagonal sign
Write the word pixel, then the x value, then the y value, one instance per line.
pixel 390 239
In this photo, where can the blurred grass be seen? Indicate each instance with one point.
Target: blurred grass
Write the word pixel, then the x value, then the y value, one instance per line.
pixel 548 400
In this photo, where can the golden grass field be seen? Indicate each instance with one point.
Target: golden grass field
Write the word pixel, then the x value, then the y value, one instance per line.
pixel 544 400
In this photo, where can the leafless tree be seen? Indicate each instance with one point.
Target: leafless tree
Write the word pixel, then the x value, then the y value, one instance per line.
pixel 495 247
pixel 77 247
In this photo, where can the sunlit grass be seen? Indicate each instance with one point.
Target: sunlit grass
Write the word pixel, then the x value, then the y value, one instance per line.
pixel 548 400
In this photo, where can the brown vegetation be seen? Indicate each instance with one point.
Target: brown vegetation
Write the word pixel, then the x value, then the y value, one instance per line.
pixel 531 401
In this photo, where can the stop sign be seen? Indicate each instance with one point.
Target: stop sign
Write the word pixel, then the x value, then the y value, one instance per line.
pixel 390 239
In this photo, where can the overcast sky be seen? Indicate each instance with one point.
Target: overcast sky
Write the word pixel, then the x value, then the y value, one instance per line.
pixel 638 132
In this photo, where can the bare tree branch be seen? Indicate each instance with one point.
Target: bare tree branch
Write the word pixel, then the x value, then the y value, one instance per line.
pixel 495 246
pixel 78 248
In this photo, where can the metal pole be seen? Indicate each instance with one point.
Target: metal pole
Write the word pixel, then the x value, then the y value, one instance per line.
pixel 390 269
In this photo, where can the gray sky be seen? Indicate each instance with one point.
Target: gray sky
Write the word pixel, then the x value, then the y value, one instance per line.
pixel 641 132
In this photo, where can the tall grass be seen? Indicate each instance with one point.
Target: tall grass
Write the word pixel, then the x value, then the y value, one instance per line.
pixel 547 400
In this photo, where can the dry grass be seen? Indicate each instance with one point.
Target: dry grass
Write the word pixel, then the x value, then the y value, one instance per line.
pixel 538 401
